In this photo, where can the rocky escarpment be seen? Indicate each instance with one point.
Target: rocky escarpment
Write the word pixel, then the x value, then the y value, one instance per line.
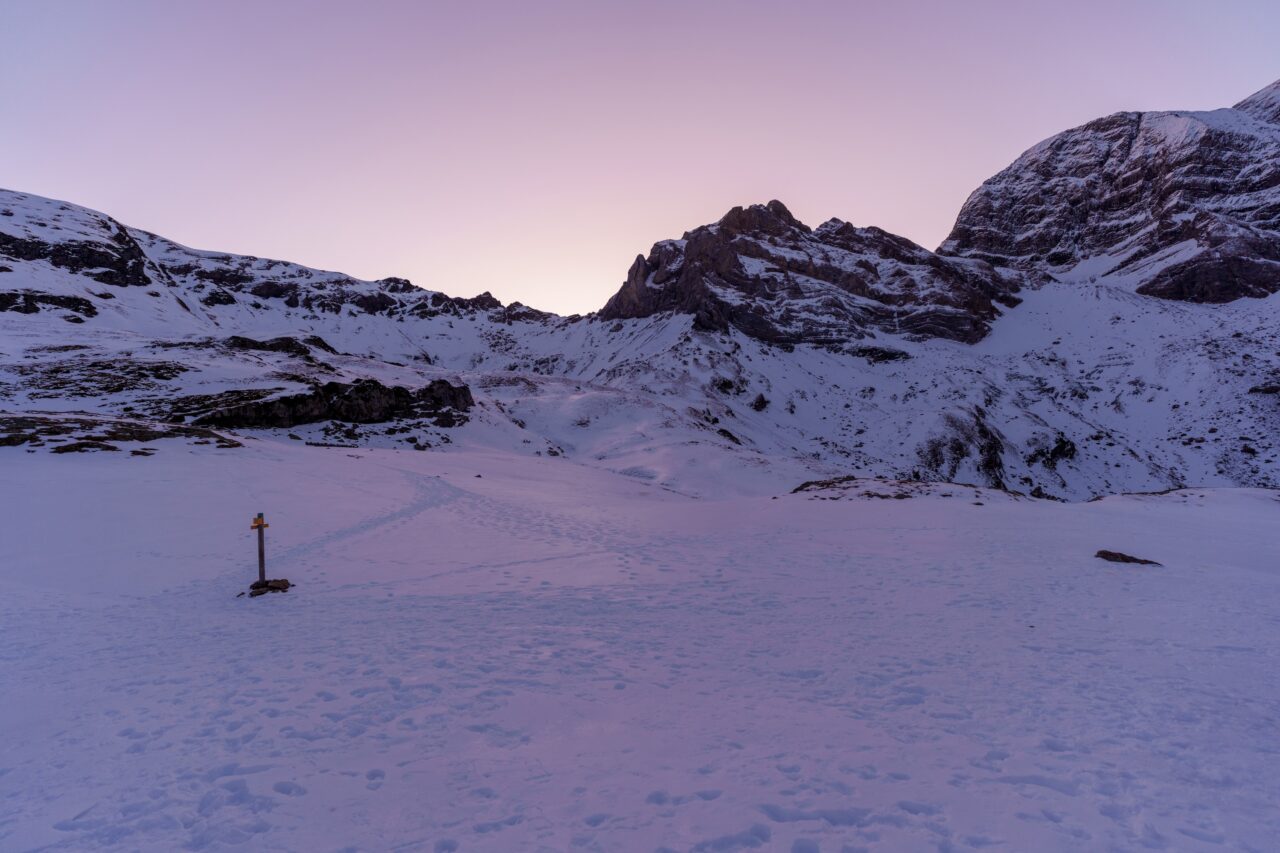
pixel 765 273
pixel 364 401
pixel 1179 205
pixel 33 301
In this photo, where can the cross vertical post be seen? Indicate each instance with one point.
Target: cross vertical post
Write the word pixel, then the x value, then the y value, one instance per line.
pixel 259 524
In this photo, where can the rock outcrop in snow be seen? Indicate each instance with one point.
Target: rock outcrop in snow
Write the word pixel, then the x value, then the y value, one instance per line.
pixel 361 402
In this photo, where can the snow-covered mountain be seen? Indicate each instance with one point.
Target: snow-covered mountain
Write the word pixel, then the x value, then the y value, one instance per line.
pixel 761 271
pixel 1181 205
pixel 1027 353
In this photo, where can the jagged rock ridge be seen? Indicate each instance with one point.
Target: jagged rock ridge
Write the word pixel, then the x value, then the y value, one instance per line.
pixel 765 273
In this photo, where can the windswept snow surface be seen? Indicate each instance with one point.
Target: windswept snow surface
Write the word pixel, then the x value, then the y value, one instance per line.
pixel 492 651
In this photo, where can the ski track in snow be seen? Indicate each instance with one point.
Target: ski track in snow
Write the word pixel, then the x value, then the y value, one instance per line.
pixel 464 668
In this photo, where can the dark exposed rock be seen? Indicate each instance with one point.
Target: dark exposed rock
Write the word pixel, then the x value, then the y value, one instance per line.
pixel 879 355
pixel 91 433
pixel 84 447
pixel 967 435
pixel 319 343
pixel 397 285
pixel 724 433
pixel 193 406
pixel 761 271
pixel 1118 557
pixel 221 275
pixel 218 296
pixel 85 377
pixel 1062 448
pixel 1268 388
pixel 284 344
pixel 1233 269
pixel 59 348
pixel 484 302
pixel 274 290
pixel 365 401
pixel 436 304
pixel 29 302
pixel 118 260
pixel 374 303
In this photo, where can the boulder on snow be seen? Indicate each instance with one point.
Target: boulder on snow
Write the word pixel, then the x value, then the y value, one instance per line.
pixel 1117 557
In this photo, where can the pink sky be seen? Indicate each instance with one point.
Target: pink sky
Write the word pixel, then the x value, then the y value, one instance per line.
pixel 533 149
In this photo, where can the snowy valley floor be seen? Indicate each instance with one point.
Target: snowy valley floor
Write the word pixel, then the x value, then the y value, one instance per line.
pixel 550 657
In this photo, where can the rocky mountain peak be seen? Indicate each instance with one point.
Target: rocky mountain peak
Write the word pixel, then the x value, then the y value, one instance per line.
pixel 763 272
pixel 772 218
pixel 1264 104
pixel 1181 205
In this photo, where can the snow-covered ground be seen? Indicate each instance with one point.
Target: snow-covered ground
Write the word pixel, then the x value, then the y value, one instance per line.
pixel 493 651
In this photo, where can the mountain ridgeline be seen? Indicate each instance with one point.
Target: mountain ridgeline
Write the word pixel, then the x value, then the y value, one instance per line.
pixel 1098 320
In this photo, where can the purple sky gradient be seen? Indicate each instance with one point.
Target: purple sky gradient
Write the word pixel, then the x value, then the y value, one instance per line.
pixel 534 148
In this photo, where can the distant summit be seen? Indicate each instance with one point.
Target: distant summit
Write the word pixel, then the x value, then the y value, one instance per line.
pixel 762 271
pixel 1179 205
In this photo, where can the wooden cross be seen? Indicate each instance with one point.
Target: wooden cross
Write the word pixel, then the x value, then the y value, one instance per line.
pixel 259 524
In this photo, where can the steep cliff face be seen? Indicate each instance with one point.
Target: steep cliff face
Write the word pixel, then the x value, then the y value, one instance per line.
pixel 763 272
pixel 1179 205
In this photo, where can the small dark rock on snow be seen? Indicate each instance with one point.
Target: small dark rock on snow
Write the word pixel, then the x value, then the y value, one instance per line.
pixel 1117 557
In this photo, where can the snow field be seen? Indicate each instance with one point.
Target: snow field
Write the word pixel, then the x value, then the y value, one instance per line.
pixel 550 656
